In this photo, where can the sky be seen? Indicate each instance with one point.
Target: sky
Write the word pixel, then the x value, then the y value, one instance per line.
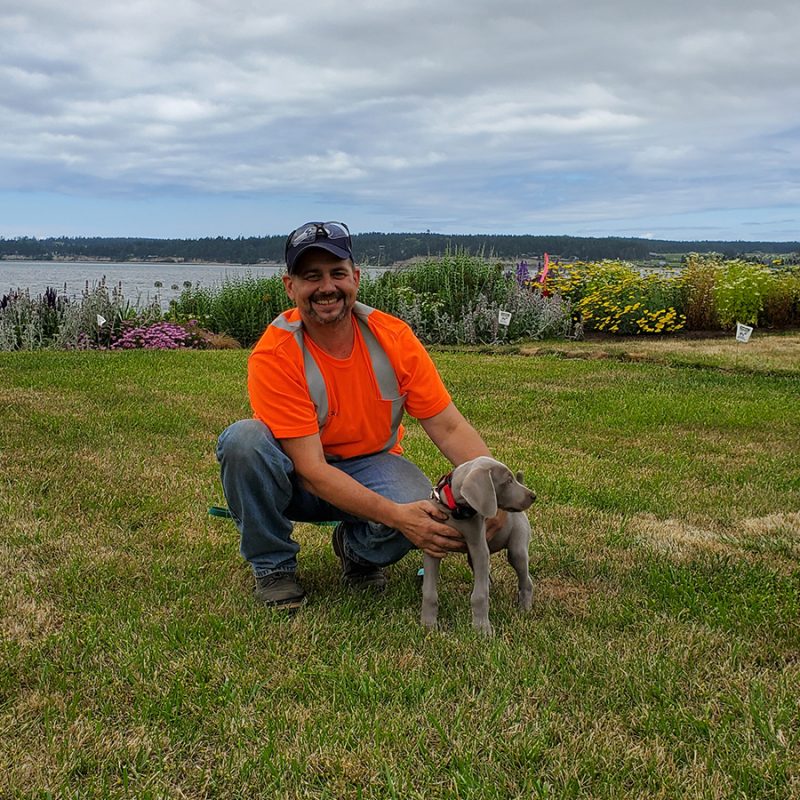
pixel 190 118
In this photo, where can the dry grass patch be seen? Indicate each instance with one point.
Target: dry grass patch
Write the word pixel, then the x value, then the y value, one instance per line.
pixel 21 402
pixel 776 534
pixel 775 537
pixel 22 530
pixel 773 525
pixel 679 538
pixel 765 352
pixel 572 596
pixel 27 620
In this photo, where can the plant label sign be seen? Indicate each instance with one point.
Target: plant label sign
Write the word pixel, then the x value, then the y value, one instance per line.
pixel 101 320
pixel 743 332
pixel 504 318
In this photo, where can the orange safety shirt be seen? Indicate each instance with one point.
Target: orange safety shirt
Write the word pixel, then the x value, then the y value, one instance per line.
pixel 359 421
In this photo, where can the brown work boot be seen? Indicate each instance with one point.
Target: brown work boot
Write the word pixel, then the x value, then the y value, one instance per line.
pixel 280 590
pixel 355 574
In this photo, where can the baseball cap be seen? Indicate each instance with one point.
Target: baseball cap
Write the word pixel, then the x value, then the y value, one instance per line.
pixel 331 236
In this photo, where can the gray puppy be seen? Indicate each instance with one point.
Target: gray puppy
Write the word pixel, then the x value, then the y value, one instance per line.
pixel 470 494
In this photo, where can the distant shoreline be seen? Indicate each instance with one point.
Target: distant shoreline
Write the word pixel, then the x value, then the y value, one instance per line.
pixel 103 260
pixel 381 249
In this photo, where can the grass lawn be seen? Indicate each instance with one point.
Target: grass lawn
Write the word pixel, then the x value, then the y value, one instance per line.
pixel 661 658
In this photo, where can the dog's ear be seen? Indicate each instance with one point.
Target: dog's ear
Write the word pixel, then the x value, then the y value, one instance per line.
pixel 478 490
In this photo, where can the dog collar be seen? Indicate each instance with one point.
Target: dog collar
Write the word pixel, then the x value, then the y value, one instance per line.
pixel 443 493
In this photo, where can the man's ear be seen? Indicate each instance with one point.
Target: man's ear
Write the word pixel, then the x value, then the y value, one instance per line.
pixel 478 490
pixel 288 285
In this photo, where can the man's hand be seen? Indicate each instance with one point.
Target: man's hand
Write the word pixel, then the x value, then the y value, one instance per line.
pixel 494 524
pixel 421 523
pixel 460 442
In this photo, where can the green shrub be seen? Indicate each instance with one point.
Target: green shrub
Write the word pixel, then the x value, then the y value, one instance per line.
pixel 195 302
pixel 453 282
pixel 739 292
pixel 244 307
pixel 782 300
pixel 241 307
pixel 456 299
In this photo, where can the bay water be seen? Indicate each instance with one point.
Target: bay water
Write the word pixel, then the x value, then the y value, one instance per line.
pixel 138 280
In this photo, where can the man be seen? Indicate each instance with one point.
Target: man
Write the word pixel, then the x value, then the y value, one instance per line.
pixel 329 381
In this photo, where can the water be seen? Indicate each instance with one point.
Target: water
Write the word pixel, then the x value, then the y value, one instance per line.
pixel 138 280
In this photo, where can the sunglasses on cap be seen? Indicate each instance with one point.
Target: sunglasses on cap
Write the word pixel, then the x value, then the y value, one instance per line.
pixel 312 231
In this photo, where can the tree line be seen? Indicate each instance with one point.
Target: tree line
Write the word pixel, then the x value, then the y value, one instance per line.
pixel 378 249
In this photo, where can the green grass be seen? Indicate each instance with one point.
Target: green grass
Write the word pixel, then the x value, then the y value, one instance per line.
pixel 660 660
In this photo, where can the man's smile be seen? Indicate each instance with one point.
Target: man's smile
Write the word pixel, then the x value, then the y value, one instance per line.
pixel 327 299
pixel 328 308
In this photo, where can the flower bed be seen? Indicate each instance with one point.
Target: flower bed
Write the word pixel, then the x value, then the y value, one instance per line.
pixel 455 299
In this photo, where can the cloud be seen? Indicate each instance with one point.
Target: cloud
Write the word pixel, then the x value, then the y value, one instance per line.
pixel 519 114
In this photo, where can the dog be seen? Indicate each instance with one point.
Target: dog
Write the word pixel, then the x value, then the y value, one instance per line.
pixel 470 494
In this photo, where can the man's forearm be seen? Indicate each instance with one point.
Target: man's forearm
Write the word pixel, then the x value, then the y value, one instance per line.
pixel 464 445
pixel 454 436
pixel 346 493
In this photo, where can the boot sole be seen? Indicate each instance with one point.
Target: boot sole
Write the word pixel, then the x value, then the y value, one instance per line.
pixel 292 604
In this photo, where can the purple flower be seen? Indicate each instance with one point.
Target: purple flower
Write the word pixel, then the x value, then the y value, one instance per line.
pixel 158 336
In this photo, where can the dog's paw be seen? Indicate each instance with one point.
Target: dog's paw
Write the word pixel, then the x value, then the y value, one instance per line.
pixel 484 628
pixel 525 596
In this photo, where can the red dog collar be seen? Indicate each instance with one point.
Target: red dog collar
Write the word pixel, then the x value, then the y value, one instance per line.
pixel 443 493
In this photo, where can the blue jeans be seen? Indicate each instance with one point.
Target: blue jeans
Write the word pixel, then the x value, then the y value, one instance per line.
pixel 264 496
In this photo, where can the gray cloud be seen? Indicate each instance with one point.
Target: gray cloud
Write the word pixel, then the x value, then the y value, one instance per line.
pixel 471 115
